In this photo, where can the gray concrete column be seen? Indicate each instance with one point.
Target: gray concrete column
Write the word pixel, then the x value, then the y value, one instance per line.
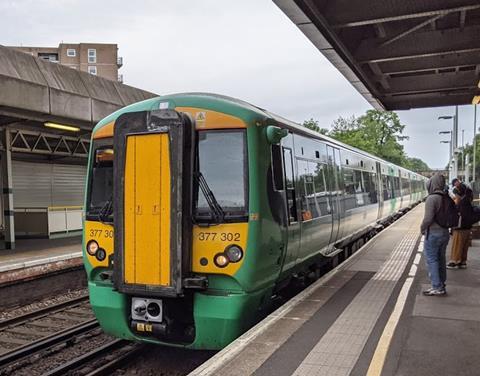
pixel 6 170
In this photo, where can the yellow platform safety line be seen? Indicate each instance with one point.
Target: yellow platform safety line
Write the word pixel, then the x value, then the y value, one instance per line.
pixel 147 210
pixel 383 345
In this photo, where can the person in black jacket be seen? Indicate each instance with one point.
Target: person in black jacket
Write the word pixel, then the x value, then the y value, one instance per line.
pixel 462 235
pixel 436 236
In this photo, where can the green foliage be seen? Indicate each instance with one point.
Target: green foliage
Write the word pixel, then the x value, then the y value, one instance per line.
pixel 313 125
pixel 417 165
pixel 468 151
pixel 376 132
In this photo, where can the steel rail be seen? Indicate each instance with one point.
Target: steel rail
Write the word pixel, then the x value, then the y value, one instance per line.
pixel 110 367
pixel 46 342
pixel 39 313
pixel 85 358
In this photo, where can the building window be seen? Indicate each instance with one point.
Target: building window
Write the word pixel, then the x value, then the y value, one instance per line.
pixel 48 56
pixel 71 52
pixel 92 69
pixel 92 55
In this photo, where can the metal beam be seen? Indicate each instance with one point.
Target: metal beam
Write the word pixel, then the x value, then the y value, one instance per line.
pixel 420 45
pixel 433 82
pixel 48 144
pixel 463 15
pixel 411 30
pixel 380 77
pixel 426 100
pixel 430 63
pixel 353 13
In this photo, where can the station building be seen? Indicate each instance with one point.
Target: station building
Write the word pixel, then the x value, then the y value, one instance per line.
pixel 100 59
pixel 47 112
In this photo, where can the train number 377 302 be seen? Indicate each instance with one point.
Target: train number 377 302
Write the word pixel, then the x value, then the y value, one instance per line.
pixel 97 233
pixel 222 236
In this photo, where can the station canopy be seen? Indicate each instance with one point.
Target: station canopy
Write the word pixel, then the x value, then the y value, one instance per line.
pixel 399 54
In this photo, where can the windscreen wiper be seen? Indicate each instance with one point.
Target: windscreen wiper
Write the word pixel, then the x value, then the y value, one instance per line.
pixel 215 208
pixel 106 211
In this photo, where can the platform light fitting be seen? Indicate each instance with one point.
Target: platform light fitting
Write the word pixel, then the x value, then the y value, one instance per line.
pixel 63 127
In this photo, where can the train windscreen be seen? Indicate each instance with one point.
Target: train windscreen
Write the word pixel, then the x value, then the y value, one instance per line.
pixel 100 195
pixel 221 191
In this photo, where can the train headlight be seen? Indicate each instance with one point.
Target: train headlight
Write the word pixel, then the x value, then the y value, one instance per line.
pixel 221 260
pixel 100 254
pixel 234 253
pixel 92 247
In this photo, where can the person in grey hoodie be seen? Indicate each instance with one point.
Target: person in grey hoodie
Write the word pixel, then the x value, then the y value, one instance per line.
pixel 436 237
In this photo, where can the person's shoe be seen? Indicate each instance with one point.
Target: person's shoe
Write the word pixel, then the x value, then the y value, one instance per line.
pixel 462 265
pixel 453 265
pixel 434 292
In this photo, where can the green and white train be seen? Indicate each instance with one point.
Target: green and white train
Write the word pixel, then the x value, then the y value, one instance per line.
pixel 200 207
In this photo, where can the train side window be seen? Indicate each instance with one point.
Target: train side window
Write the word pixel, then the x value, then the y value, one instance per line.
pixel 277 168
pixel 290 185
pixel 370 179
pixel 387 194
pixel 405 187
pixel 359 188
pixel 322 201
pixel 396 186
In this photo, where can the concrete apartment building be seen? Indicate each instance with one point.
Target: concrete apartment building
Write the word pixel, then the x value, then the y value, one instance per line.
pixel 95 58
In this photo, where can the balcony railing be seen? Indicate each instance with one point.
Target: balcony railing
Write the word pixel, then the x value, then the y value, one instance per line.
pixel 119 61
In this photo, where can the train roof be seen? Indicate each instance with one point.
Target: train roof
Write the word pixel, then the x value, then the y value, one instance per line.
pixel 200 98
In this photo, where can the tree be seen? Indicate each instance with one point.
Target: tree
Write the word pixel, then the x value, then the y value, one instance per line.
pixel 313 125
pixel 417 165
pixel 377 133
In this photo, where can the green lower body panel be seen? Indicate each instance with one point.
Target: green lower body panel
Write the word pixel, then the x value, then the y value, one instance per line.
pixel 219 319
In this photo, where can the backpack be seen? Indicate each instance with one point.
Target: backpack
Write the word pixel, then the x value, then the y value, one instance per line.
pixel 468 217
pixel 447 216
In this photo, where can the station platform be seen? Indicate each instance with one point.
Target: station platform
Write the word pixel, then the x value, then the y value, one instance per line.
pixel 368 317
pixel 33 257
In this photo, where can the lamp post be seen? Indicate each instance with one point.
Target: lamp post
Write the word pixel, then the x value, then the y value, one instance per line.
pixel 454 142
pixel 450 155
pixel 450 173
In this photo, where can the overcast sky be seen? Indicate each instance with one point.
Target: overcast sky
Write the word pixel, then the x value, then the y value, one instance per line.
pixel 247 49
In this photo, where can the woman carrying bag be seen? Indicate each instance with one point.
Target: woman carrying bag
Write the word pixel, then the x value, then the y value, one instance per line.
pixel 462 234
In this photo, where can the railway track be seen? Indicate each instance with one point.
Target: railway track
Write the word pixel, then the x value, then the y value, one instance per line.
pixel 59 327
pixel 30 333
pixel 102 361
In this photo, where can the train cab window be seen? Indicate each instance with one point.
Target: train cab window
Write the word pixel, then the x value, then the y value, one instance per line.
pixel 290 185
pixel 100 194
pixel 222 163
pixel 277 168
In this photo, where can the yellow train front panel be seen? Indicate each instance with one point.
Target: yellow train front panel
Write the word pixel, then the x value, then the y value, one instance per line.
pixel 147 210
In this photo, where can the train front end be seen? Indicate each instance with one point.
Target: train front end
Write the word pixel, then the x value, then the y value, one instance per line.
pixel 166 228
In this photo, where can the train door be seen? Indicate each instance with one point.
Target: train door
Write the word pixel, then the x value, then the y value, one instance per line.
pixel 380 190
pixel 285 201
pixel 293 225
pixel 336 193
